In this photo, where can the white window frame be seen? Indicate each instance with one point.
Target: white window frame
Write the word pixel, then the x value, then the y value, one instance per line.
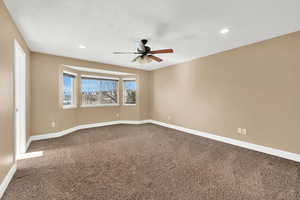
pixel 74 91
pixel 129 79
pixel 101 78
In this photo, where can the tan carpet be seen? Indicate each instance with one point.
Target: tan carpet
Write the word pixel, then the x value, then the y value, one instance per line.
pixel 135 162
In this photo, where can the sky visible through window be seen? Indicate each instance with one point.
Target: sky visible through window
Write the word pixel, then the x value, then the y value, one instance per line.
pixel 96 85
pixel 129 85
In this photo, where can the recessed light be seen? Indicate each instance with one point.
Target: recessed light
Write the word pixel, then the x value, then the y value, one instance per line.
pixel 224 31
pixel 82 46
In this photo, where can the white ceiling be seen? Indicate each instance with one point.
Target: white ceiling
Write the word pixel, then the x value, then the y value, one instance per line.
pixel 191 27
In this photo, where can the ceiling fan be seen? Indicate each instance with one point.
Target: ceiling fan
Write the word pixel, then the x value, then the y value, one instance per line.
pixel 145 54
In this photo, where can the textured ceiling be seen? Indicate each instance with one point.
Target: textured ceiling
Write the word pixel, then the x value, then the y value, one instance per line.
pixel 191 27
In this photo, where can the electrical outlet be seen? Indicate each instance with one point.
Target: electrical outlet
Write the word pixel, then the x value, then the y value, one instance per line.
pixel 117 115
pixel 169 117
pixel 239 130
pixel 53 124
pixel 244 131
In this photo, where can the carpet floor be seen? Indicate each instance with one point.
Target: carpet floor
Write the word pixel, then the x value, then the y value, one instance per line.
pixel 136 162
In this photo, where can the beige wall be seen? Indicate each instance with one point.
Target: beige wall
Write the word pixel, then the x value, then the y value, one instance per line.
pixel 9 32
pixel 254 87
pixel 46 108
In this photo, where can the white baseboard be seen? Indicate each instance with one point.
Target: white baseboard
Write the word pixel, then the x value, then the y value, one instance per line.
pixel 7 179
pixel 30 155
pixel 28 143
pixel 135 122
pixel 247 145
pixel 80 127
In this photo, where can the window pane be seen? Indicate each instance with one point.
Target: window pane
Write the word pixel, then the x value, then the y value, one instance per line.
pixel 129 92
pixel 99 91
pixel 68 89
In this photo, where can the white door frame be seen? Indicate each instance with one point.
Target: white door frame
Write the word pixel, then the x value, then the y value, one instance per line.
pixel 20 99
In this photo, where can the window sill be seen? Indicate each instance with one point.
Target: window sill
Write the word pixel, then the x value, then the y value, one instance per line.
pixel 70 107
pixel 129 104
pixel 99 105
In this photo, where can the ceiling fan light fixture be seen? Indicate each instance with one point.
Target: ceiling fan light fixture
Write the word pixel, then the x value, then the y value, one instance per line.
pixel 149 60
pixel 143 60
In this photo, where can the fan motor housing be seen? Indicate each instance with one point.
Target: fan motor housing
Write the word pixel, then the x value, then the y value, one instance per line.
pixel 147 50
pixel 144 41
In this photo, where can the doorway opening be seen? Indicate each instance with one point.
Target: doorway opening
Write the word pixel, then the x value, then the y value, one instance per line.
pixel 20 100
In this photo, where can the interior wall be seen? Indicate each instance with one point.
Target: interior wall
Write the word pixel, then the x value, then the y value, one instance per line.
pixel 254 87
pixel 46 108
pixel 8 33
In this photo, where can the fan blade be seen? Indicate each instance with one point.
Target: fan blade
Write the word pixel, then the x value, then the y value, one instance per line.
pixel 127 53
pixel 135 59
pixel 162 51
pixel 155 58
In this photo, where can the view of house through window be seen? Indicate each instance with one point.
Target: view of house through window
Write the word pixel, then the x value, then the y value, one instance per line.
pixel 129 92
pixel 68 92
pixel 99 91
